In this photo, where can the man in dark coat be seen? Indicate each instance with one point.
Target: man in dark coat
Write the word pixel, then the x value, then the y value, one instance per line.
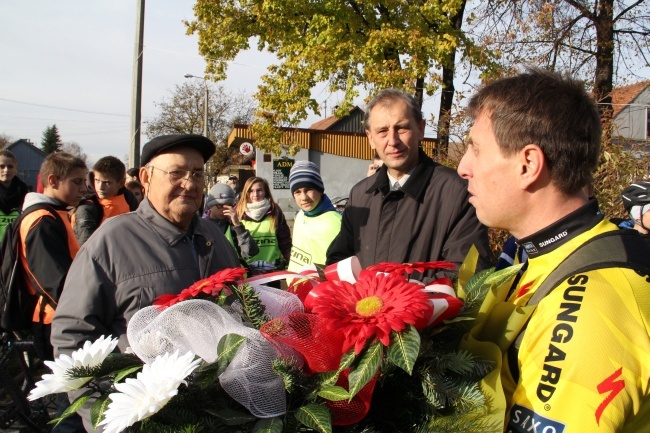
pixel 412 209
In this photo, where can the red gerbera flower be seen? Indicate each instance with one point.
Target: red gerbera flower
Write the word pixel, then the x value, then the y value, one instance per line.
pixel 210 287
pixel 409 268
pixel 370 308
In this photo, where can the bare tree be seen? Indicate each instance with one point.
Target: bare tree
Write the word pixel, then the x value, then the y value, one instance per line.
pixel 599 41
pixel 5 140
pixel 183 113
pixel 73 148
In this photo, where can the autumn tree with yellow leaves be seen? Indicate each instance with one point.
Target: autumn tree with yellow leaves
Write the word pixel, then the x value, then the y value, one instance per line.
pixel 350 45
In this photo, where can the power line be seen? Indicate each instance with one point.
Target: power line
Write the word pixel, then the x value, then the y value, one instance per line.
pixel 62 120
pixel 63 108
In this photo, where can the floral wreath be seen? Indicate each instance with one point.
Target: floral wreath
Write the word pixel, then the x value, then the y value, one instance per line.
pixel 343 349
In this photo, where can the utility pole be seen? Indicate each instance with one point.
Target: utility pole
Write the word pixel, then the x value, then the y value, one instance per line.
pixel 205 111
pixel 136 101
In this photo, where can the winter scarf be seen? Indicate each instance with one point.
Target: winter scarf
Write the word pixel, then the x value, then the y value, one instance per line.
pixel 258 209
pixel 325 205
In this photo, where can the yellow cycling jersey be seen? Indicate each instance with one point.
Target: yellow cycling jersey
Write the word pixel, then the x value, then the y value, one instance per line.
pixel 584 361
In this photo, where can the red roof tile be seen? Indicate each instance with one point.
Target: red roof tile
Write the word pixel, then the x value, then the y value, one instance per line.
pixel 325 123
pixel 622 96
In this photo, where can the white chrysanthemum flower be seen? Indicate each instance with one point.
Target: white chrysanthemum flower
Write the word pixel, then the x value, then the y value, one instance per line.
pixel 154 386
pixel 90 355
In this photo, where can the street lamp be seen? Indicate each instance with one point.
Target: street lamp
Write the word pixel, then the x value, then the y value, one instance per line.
pixel 205 102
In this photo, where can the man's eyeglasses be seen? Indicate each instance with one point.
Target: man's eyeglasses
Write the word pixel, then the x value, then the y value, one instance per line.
pixel 180 177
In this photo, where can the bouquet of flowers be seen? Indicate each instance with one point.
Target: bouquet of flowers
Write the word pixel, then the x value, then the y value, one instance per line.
pixel 343 349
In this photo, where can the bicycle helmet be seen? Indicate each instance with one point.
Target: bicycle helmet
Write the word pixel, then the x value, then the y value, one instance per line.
pixel 637 194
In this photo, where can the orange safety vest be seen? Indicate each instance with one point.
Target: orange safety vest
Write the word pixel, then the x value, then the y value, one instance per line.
pixel 113 206
pixel 28 223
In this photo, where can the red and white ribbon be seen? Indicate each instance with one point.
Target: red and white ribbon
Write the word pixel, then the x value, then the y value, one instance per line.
pixel 347 270
pixel 444 300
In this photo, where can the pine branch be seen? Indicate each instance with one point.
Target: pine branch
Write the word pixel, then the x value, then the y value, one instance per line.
pixel 293 377
pixel 252 309
pixel 466 423
pixel 111 365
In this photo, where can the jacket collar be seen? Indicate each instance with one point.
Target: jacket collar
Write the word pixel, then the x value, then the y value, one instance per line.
pixel 33 198
pixel 563 230
pixel 167 231
pixel 415 186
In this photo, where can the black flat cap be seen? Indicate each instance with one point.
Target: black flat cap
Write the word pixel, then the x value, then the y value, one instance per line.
pixel 165 142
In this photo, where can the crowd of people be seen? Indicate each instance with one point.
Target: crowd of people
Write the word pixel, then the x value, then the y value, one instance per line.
pixel 570 356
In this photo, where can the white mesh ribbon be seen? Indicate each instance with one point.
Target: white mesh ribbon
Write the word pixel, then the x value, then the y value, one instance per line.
pixel 198 326
pixel 278 302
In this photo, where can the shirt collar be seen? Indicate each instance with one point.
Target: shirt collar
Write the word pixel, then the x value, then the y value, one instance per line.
pixel 416 188
pixel 401 182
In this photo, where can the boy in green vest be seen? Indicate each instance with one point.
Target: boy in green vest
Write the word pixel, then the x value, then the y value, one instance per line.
pixel 317 223
pixel 12 190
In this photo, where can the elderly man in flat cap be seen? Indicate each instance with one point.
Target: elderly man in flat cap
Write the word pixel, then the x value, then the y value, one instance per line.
pixel 163 247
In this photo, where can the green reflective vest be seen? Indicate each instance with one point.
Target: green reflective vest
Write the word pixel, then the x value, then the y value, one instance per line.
pixel 311 238
pixel 6 219
pixel 228 235
pixel 266 240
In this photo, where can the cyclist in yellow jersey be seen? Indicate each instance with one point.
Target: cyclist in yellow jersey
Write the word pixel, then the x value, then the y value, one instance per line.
pixel 584 360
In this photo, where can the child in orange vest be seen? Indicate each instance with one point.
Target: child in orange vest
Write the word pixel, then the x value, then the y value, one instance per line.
pixel 46 246
pixel 109 199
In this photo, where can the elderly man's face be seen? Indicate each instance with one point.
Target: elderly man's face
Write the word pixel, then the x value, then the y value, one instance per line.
pixel 176 200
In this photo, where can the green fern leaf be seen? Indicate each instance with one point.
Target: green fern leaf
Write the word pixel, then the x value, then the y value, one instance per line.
pixel 316 417
pixel 270 425
pixel 404 348
pixel 366 368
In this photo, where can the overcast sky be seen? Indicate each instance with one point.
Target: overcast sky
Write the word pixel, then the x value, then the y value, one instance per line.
pixel 70 63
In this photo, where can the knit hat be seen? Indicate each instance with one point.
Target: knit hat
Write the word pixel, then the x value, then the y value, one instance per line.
pixel 305 174
pixel 220 194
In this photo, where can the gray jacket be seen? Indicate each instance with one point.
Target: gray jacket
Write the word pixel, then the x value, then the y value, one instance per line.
pixel 131 259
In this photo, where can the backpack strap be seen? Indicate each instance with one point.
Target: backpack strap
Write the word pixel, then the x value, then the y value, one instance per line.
pixel 623 248
pixel 38 206
pixel 615 249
